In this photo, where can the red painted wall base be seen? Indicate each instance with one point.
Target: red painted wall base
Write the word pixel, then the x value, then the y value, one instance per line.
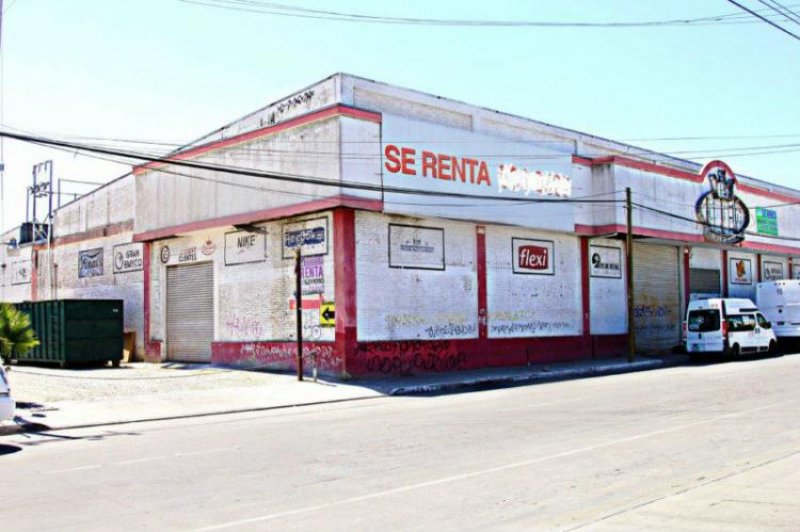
pixel 414 357
pixel 280 356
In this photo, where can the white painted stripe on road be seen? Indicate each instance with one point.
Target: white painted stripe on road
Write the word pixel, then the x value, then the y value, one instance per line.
pixel 143 460
pixel 472 474
pixel 208 451
pixel 71 469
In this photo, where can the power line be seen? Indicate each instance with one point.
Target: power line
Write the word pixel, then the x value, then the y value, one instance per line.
pixel 781 28
pixel 778 8
pixel 282 176
pixel 272 8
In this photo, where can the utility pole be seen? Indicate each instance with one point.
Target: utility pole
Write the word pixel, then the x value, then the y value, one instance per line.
pixel 629 274
pixel 298 273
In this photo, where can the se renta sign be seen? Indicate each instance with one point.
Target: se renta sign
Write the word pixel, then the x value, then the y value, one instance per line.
pixel 464 174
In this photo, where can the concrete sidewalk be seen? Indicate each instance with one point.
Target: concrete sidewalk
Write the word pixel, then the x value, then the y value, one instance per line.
pixel 50 399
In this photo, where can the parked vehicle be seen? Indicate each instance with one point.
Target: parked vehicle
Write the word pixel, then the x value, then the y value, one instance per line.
pixel 7 405
pixel 780 303
pixel 727 325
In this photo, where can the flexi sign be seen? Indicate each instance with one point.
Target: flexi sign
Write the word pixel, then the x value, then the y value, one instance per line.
pixel 535 258
pixel 532 256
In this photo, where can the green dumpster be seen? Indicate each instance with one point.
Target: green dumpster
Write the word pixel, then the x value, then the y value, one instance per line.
pixel 75 332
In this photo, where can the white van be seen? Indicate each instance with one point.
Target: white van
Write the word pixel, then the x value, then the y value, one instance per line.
pixel 727 325
pixel 780 303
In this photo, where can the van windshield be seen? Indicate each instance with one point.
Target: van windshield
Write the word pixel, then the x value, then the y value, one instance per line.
pixel 704 320
pixel 741 322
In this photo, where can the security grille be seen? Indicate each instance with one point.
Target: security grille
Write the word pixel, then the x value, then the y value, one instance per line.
pixel 656 298
pixel 190 312
pixel 703 281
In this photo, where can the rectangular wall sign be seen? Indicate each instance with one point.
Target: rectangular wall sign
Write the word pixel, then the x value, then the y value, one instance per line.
pixel 605 261
pixel 311 236
pixel 416 247
pixel 766 221
pixel 740 271
pixel 532 256
pixel 243 246
pixel 21 272
pixel 128 258
pixel 313 274
pixel 771 271
pixel 90 262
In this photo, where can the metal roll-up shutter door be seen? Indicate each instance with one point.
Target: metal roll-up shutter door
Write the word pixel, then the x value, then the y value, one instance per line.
pixel 703 281
pixel 190 312
pixel 656 298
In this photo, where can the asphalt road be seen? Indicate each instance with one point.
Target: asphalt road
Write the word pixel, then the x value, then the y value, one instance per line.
pixel 702 447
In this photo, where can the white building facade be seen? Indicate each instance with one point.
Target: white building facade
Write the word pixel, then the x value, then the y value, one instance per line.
pixel 434 236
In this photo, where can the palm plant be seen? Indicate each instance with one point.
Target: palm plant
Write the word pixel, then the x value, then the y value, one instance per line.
pixel 16 335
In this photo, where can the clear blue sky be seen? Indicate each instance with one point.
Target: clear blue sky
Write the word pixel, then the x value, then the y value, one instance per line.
pixel 171 71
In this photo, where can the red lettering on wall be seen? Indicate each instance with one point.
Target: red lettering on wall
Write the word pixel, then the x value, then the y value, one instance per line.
pixel 483 175
pixel 407 156
pixel 459 167
pixel 391 152
pixel 428 164
pixel 445 171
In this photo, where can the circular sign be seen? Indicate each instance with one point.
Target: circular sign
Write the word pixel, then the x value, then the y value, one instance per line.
pixel 165 254
pixel 119 260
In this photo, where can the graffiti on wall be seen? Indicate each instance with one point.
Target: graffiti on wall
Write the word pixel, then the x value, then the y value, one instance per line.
pixel 283 355
pixel 408 357
pixel 530 328
pixel 240 327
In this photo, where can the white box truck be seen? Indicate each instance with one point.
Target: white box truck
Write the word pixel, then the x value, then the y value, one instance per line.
pixel 780 303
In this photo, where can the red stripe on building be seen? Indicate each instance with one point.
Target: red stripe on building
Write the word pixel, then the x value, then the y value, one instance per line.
pixel 686 275
pixel 724 273
pixel 480 237
pixel 585 286
pixel 152 350
pixel 344 279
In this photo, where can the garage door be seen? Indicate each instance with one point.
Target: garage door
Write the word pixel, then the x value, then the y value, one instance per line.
pixel 656 298
pixel 702 281
pixel 190 312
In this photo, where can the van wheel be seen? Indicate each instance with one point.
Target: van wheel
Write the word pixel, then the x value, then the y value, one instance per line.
pixel 773 348
pixel 735 351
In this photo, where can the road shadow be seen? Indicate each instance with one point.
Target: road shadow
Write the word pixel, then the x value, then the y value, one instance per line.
pixel 9 449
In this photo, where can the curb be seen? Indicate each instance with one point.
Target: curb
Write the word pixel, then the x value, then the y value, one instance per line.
pixel 543 376
pixel 24 426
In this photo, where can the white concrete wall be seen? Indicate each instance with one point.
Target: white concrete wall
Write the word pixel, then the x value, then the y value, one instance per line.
pixel 742 289
pixel 15 270
pixel 253 300
pixel 317 96
pixel 110 204
pixel 407 304
pixel 166 199
pixel 608 304
pixel 532 305
pixel 59 279
pixel 705 258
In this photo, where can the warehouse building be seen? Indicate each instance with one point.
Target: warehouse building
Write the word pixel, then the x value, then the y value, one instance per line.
pixel 434 236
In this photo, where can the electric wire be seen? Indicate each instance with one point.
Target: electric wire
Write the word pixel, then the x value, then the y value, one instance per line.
pixel 288 177
pixel 272 8
pixel 778 8
pixel 765 19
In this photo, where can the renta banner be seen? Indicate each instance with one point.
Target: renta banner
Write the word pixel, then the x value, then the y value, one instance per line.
pixel 480 172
